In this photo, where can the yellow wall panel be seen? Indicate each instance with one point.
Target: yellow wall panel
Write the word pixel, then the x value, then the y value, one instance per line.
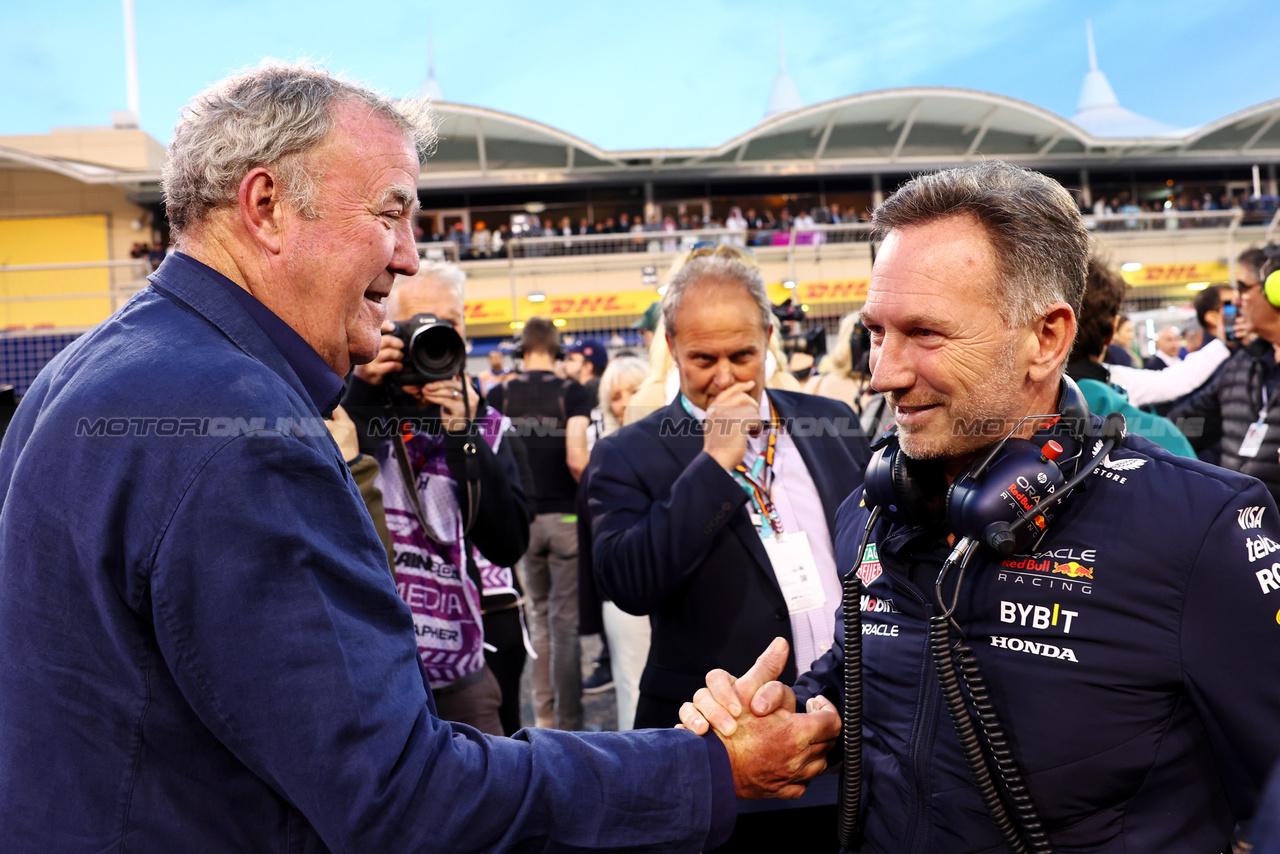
pixel 54 240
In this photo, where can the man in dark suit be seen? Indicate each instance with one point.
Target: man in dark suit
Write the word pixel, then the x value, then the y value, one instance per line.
pixel 714 514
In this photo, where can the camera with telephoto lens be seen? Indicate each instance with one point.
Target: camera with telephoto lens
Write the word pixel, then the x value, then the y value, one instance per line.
pixel 433 350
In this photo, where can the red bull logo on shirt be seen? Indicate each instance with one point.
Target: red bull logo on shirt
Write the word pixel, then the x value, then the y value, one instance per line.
pixel 1027 564
pixel 1071 569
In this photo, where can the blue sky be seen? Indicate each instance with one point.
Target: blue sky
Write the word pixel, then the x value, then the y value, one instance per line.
pixel 636 75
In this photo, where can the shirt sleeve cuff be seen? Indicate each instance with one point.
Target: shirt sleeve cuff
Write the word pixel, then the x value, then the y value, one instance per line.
pixel 724 805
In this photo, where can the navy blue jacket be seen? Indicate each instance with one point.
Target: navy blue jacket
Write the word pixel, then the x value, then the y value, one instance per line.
pixel 1131 659
pixel 672 538
pixel 202 649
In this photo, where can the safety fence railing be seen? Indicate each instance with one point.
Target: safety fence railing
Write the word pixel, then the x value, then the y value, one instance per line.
pixel 543 245
pixel 31 285
pixel 540 245
pixel 1170 220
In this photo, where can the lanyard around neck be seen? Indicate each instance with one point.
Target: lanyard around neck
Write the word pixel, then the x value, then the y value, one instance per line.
pixel 759 478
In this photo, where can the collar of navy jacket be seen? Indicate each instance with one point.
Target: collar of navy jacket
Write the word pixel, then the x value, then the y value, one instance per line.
pixel 191 286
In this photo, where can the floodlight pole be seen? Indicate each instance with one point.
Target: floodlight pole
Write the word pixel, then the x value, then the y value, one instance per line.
pixel 131 61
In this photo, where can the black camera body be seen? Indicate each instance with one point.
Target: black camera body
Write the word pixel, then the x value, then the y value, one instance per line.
pixel 433 350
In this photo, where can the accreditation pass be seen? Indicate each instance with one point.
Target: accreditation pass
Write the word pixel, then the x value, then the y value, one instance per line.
pixel 796 571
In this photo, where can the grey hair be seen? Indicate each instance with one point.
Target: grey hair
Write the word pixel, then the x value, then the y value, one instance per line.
pixel 1039 238
pixel 444 272
pixel 271 116
pixel 720 268
pixel 440 271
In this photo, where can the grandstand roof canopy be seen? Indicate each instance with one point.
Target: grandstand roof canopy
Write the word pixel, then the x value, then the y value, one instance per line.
pixel 890 130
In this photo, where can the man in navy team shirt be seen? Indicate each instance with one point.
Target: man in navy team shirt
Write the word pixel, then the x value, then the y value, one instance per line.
pixel 1129 653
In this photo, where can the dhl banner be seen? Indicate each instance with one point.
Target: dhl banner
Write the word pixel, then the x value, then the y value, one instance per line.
pixel 1177 274
pixel 633 303
pixel 567 306
pixel 811 293
pixel 821 291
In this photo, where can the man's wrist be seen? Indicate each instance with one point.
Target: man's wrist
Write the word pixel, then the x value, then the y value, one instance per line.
pixel 727 460
pixel 723 792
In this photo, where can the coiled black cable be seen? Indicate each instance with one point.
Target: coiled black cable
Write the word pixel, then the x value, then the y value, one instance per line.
pixel 1023 832
pixel 970 745
pixel 1027 817
pixel 851 732
pixel 851 724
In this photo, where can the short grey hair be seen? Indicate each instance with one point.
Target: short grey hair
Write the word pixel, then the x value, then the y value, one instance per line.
pixel 719 268
pixel 444 272
pixel 1040 240
pixel 440 271
pixel 271 116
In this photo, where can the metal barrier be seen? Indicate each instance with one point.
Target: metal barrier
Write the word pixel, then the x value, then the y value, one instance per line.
pixel 126 279
pixel 523 247
pixel 1170 220
pixel 445 250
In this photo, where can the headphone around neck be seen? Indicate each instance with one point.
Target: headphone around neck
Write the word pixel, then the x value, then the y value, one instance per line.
pixel 994 501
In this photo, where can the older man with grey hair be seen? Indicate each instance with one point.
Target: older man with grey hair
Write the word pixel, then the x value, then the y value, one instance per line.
pixel 714 514
pixel 201 645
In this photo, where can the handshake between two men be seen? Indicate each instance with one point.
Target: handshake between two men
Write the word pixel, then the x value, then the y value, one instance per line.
pixel 774 750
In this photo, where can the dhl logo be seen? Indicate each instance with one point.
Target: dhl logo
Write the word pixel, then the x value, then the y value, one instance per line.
pixel 1169 274
pixel 570 306
pixel 1071 569
pixel 837 291
pixel 486 309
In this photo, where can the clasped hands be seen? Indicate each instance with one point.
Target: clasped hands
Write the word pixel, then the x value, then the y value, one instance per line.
pixel 775 751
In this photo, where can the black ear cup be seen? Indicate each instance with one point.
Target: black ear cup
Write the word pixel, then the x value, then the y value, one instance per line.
pixel 879 481
pixel 1073 407
pixel 985 500
pixel 986 508
pixel 910 492
pixel 899 486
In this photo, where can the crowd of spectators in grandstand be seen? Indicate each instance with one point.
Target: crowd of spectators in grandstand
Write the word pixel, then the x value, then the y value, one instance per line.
pixel 764 226
pixel 740 227
pixel 1108 211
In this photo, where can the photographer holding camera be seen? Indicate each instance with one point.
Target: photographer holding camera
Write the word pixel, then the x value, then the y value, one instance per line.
pixel 456 513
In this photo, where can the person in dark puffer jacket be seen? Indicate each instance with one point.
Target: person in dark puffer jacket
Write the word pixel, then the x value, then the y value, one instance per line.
pixel 1243 400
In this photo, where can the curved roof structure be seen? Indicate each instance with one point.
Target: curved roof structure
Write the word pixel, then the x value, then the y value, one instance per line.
pixel 889 130
pixel 913 127
pixel 1249 131
pixel 906 125
pixel 476 143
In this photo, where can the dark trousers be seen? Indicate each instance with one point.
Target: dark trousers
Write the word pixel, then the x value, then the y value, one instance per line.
pixel 502 630
pixel 805 829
